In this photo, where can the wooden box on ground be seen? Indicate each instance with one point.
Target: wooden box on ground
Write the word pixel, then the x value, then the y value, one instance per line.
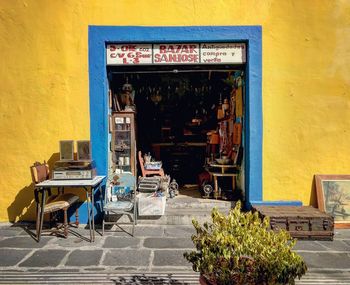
pixel 302 222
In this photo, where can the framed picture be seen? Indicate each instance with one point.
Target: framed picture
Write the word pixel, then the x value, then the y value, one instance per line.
pixel 66 150
pixel 83 150
pixel 333 197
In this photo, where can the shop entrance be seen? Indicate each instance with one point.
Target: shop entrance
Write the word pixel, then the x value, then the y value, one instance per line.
pixel 188 117
pixel 101 36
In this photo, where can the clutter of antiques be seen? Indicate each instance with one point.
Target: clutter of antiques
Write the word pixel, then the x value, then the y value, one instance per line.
pixel 180 131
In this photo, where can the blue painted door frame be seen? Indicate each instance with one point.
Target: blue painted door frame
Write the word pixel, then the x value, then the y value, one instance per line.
pixel 99 36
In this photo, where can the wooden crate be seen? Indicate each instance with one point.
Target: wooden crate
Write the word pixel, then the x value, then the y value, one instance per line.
pixel 302 222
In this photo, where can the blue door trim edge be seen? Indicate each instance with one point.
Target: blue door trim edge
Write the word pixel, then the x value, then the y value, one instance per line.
pixel 252 35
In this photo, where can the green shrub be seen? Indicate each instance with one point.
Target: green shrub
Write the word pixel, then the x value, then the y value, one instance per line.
pixel 240 249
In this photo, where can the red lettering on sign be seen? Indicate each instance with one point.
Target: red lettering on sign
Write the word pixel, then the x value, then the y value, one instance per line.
pixel 176 58
pixel 162 49
pixel 215 59
pixel 171 49
pixel 176 49
pixel 157 57
pixel 128 48
pixel 112 48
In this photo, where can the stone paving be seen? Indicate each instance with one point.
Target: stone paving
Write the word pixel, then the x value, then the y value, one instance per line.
pixel 154 248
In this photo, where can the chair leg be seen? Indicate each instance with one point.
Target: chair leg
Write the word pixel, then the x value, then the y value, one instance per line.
pixel 65 223
pixel 52 217
pixel 133 226
pixel 134 221
pixel 77 216
pixel 135 215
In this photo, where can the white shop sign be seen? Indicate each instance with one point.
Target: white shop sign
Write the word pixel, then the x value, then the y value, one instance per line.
pixel 217 53
pixel 176 53
pixel 129 54
pixel 188 53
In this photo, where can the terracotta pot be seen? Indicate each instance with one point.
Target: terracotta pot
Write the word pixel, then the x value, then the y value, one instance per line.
pixel 205 281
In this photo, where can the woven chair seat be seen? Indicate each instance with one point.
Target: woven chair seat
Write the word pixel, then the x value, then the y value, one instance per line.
pixel 60 202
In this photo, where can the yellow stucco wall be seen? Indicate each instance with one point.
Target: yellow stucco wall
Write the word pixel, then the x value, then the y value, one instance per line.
pixel 306 83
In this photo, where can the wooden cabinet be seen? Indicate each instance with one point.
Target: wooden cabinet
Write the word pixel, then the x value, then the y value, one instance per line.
pixel 123 141
pixel 182 161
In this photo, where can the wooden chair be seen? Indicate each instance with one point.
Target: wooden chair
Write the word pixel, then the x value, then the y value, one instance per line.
pixel 146 172
pixel 54 203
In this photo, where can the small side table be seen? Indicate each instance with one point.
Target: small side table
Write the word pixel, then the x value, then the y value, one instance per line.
pixel 220 170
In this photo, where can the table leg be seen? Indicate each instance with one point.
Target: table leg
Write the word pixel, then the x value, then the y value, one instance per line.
pixel 233 183
pixel 41 221
pixel 102 207
pixel 89 212
pixel 216 188
pixel 38 211
pixel 93 212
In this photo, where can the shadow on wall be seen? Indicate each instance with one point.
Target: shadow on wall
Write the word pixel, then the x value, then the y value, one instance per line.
pixel 23 208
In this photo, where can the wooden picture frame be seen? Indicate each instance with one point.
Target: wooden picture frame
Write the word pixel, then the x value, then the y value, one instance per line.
pixel 333 197
pixel 84 150
pixel 67 150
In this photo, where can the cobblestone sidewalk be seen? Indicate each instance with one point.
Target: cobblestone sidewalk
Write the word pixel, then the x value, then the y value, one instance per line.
pixel 155 250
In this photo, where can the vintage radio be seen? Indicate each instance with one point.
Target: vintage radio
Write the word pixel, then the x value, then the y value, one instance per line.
pixel 74 170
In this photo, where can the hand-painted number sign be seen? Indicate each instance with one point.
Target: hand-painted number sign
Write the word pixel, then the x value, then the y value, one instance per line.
pixel 204 53
pixel 129 54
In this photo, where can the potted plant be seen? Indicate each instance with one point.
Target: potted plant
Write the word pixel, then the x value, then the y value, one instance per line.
pixel 241 249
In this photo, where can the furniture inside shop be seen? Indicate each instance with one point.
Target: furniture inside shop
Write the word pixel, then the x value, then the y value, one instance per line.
pixel 120 200
pixel 183 161
pixel 51 204
pixel 148 167
pixel 222 170
pixel 123 142
pixel 189 120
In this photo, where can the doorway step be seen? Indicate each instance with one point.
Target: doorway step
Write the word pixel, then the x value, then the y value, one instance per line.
pixel 182 209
